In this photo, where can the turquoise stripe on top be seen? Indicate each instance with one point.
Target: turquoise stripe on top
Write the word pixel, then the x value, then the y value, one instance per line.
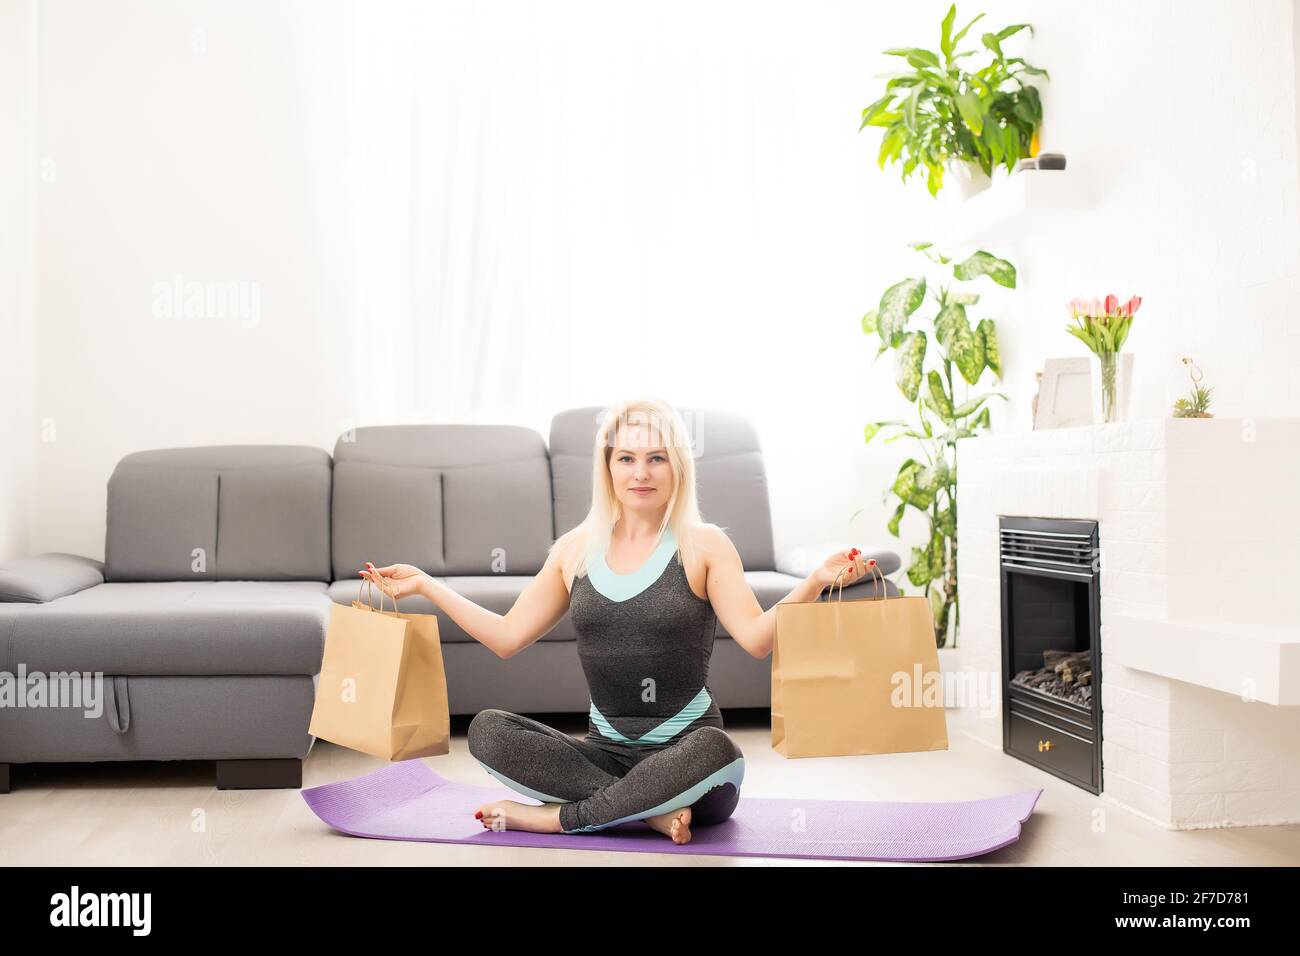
pixel 666 731
pixel 622 587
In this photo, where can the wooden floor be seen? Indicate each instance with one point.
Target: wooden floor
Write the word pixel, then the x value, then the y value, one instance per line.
pixel 171 813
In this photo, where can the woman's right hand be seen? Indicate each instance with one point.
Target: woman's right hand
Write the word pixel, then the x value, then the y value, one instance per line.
pixel 395 580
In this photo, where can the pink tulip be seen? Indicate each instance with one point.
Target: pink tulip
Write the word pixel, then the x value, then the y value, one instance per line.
pixel 1094 308
pixel 1132 304
pixel 1112 303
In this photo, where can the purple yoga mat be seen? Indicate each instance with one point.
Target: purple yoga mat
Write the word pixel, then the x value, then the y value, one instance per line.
pixel 408 801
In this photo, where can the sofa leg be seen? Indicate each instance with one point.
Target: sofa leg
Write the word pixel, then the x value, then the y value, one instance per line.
pixel 275 774
pixel 4 778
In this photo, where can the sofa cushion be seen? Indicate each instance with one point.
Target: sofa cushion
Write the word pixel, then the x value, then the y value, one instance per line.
pixel 573 433
pixel 45 577
pixel 771 586
pixel 498 517
pixel 496 592
pixel 492 482
pixel 273 517
pixel 387 514
pixel 162 523
pixel 239 512
pixel 803 559
pixel 730 477
pixel 171 628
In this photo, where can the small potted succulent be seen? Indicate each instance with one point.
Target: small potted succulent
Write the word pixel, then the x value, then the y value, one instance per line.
pixel 1197 403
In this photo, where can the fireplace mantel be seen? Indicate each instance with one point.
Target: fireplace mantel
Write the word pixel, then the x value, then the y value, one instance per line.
pixel 1199 533
pixel 1200 538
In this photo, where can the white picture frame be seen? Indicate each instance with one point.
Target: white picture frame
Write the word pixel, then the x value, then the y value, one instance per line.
pixel 1065 394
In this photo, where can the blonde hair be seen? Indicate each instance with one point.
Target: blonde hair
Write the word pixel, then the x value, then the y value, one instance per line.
pixel 593 535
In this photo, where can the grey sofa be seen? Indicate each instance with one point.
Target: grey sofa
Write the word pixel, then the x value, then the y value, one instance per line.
pixel 207 616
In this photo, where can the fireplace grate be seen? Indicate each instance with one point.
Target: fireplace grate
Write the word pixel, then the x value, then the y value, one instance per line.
pixel 1060 551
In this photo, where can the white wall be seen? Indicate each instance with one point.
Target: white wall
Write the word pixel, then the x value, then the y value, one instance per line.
pixel 191 139
pixel 242 151
pixel 18 427
pixel 256 159
pixel 1181 117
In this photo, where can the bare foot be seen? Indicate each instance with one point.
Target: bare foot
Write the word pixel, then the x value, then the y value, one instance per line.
pixel 513 815
pixel 675 824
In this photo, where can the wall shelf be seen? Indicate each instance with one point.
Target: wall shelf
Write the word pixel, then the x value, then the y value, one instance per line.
pixel 1012 204
pixel 1228 659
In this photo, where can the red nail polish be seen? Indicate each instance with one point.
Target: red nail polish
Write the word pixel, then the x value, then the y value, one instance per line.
pixel 478 814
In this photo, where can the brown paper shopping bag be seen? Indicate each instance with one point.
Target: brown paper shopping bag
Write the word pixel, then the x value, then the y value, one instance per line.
pixel 382 687
pixel 856 677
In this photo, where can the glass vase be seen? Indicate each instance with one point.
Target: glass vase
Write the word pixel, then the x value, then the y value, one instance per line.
pixel 1112 374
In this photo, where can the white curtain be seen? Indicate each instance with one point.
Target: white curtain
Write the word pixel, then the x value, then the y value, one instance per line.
pixel 567 203
pixel 564 204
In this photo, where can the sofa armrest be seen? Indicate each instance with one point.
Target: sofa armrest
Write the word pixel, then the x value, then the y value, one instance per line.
pixel 802 559
pixel 45 577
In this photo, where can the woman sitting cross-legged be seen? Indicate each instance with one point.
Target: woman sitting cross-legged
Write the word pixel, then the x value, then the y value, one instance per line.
pixel 646 580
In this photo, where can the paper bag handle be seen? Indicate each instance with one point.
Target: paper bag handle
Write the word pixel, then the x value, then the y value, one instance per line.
pixel 876 573
pixel 369 593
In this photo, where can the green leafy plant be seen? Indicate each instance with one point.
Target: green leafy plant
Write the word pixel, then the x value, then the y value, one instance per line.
pixel 929 377
pixel 940 113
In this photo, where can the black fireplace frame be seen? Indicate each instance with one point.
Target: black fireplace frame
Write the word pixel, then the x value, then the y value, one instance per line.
pixel 1059 736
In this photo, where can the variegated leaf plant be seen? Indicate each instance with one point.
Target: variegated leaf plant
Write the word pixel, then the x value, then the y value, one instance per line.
pixel 930 356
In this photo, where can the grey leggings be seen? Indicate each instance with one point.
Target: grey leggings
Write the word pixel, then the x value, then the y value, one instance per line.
pixel 603 785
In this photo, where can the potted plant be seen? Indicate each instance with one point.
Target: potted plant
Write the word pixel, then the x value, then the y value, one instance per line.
pixel 929 377
pixel 1103 326
pixel 1197 403
pixel 942 116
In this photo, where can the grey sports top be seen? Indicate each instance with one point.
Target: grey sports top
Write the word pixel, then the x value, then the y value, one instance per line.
pixel 645 640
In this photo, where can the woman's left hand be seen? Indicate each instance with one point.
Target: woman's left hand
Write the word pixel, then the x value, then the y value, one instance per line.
pixel 852 560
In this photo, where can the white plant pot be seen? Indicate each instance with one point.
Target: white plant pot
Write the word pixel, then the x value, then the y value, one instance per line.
pixel 950 663
pixel 949 659
pixel 970 179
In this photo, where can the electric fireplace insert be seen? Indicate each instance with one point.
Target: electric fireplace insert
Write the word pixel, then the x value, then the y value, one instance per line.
pixel 1051 646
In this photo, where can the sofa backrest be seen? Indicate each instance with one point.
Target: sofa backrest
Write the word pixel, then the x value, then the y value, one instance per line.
pixel 233 512
pixel 730 477
pixel 450 499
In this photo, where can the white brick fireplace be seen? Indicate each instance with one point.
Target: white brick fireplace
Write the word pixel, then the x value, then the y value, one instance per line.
pixel 1199 532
